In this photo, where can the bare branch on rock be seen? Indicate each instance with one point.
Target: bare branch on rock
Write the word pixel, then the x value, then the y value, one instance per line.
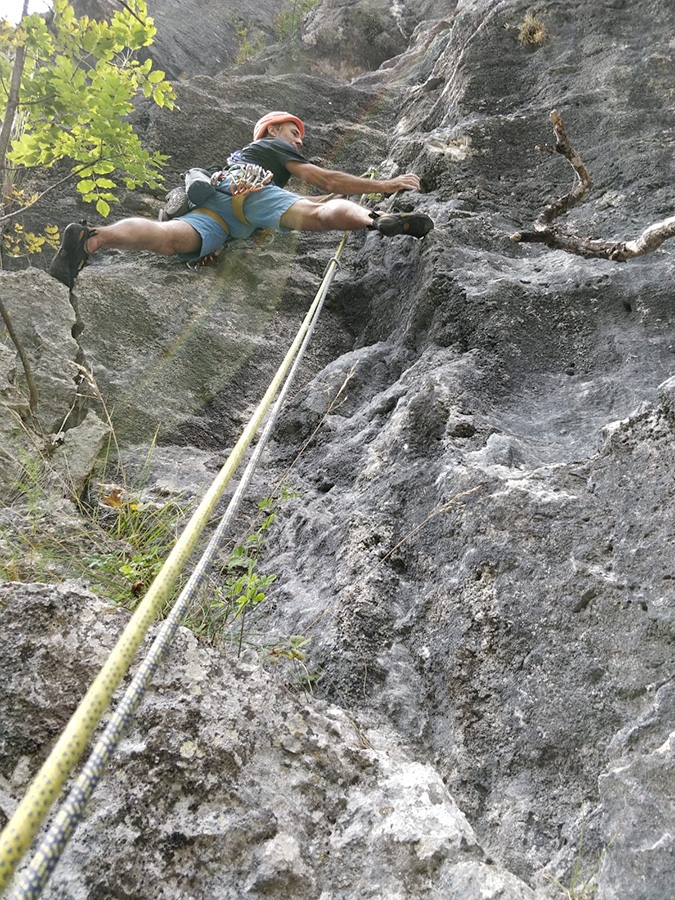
pixel 544 232
pixel 583 183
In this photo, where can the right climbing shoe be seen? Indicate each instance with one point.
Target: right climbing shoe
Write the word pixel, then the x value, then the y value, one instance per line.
pixel 415 224
pixel 177 204
pixel 71 257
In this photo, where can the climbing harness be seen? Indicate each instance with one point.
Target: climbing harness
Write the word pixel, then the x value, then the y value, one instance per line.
pixel 31 811
pixel 244 177
pixel 237 209
pixel 212 259
pixel 213 215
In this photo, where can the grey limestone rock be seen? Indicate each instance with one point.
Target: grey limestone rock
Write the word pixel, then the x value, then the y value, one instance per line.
pixel 481 548
pixel 230 785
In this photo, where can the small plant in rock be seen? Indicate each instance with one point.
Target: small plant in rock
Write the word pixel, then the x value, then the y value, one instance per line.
pixel 290 21
pixel 532 31
pixel 29 486
pixel 293 649
pixel 240 589
pixel 116 539
pixel 116 546
pixel 582 881
pixel 373 172
pixel 135 537
pixel 244 587
pixel 115 549
pixel 140 532
pixel 249 40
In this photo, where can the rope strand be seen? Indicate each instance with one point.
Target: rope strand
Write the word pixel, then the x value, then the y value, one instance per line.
pixel 31 812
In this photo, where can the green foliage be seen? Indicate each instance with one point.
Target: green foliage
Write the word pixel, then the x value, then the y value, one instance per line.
pixel 240 589
pixel 115 555
pixel 80 80
pixel 115 540
pixel 116 543
pixel 17 242
pixel 134 538
pixel 240 596
pixel 243 587
pixel 116 551
pixel 291 20
pixel 249 41
pixel 116 548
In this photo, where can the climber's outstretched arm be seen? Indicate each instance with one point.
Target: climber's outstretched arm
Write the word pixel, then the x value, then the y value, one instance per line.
pixel 335 182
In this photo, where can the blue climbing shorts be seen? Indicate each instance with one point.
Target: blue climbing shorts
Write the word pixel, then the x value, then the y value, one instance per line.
pixel 263 209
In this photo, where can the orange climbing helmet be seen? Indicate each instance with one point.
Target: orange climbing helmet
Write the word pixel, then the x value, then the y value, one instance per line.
pixel 276 118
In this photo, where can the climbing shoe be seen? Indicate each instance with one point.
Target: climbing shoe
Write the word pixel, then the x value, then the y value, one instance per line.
pixel 177 204
pixel 415 224
pixel 71 256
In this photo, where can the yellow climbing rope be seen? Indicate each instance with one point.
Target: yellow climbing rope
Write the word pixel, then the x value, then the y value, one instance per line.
pixel 29 815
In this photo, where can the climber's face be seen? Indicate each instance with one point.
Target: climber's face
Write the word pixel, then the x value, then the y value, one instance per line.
pixel 287 131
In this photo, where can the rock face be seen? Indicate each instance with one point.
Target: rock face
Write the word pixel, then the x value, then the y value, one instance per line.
pixel 211 817
pixel 481 550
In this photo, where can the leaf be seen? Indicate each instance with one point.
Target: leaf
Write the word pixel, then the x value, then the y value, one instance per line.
pixel 114 498
pixel 103 208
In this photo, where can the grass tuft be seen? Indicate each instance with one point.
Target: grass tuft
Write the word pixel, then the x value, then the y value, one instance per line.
pixel 532 31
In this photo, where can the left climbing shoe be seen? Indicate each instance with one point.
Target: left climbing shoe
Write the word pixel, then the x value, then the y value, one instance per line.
pixel 71 256
pixel 415 224
pixel 177 204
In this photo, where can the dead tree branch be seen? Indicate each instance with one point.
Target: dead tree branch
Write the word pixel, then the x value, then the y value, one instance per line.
pixel 32 390
pixel 546 233
pixel 22 210
pixel 583 183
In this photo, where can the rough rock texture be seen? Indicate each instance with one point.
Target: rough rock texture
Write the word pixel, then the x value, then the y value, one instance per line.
pixel 202 37
pixel 205 820
pixel 482 547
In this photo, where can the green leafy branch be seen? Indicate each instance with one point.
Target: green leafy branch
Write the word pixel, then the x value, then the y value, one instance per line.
pixel 79 80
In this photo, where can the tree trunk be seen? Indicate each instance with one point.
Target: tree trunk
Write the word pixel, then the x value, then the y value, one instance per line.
pixel 5 135
pixel 12 101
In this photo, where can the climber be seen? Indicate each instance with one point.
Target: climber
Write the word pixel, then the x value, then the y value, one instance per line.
pixel 247 194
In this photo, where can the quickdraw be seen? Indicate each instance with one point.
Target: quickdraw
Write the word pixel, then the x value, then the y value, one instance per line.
pixel 244 177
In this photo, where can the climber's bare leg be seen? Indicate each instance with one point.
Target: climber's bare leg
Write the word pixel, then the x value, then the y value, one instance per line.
pixel 167 238
pixel 333 215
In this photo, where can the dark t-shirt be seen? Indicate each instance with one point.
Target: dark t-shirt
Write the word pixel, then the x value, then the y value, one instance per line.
pixel 272 154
